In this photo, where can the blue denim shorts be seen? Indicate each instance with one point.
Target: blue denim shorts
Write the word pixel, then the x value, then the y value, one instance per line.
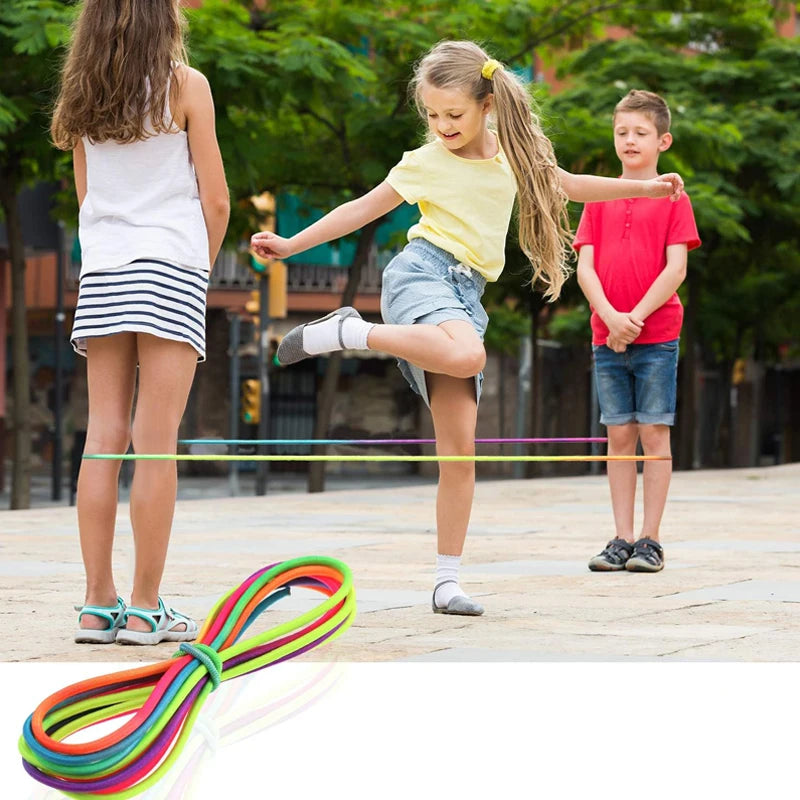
pixel 639 385
pixel 425 284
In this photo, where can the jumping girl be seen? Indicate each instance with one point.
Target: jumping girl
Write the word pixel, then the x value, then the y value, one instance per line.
pixel 465 180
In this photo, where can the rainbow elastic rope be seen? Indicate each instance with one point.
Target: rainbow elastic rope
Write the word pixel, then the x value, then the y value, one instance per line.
pixel 165 698
pixel 537 440
pixel 350 459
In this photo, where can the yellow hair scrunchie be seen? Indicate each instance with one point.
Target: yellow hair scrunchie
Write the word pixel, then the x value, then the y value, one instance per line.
pixel 489 68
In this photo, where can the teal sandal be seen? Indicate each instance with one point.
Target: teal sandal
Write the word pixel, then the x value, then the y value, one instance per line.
pixel 163 621
pixel 114 615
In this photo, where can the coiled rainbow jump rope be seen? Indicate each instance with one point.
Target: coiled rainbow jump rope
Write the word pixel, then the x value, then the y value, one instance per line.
pixel 165 698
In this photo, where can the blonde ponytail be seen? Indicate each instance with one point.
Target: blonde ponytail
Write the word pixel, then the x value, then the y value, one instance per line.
pixel 544 232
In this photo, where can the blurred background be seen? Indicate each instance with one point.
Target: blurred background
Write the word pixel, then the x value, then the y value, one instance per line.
pixel 312 109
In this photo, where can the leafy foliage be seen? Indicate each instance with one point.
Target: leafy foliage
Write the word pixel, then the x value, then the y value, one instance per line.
pixel 311 97
pixel 31 32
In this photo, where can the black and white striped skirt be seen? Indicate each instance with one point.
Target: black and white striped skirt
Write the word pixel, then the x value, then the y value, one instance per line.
pixel 145 296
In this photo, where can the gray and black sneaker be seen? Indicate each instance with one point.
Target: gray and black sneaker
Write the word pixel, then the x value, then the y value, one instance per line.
pixel 648 556
pixel 614 556
pixel 290 350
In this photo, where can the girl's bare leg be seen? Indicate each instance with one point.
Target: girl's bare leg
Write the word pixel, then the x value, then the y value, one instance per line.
pixel 166 371
pixel 452 348
pixel 111 373
pixel 454 409
pixel 455 413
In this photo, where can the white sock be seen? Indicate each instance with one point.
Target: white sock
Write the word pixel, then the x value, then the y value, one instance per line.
pixel 355 332
pixel 323 337
pixel 447 570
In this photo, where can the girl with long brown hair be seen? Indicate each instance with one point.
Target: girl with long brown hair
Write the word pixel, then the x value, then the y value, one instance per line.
pixel 465 180
pixel 153 212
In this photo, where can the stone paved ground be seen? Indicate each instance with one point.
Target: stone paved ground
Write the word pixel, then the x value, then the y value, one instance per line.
pixel 730 591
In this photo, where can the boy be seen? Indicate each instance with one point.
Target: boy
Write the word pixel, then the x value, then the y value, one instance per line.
pixel 632 259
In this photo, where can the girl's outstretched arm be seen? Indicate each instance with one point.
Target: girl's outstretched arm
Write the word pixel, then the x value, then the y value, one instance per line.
pixel 593 188
pixel 344 219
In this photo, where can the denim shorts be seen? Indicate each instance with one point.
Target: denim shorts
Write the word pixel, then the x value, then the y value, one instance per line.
pixel 639 385
pixel 425 284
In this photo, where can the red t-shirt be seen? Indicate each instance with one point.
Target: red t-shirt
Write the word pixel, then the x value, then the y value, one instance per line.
pixel 630 239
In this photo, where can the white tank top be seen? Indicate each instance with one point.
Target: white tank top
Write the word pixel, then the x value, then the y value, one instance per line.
pixel 142 201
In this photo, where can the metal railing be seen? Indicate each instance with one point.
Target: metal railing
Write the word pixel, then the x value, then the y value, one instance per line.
pixel 231 271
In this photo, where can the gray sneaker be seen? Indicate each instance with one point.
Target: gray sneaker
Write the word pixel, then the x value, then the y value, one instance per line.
pixel 290 350
pixel 648 556
pixel 613 557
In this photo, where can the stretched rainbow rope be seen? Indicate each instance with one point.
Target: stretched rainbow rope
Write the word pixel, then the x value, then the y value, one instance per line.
pixel 183 457
pixel 539 440
pixel 165 698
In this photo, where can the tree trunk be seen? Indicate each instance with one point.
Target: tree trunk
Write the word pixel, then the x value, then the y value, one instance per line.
pixel 501 401
pixel 316 470
pixel 3 347
pixel 21 469
pixel 534 418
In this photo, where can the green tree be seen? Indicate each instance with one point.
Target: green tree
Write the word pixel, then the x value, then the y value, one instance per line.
pixel 312 96
pixel 30 33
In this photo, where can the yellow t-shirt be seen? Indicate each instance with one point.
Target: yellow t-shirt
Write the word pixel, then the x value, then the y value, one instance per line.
pixel 465 203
